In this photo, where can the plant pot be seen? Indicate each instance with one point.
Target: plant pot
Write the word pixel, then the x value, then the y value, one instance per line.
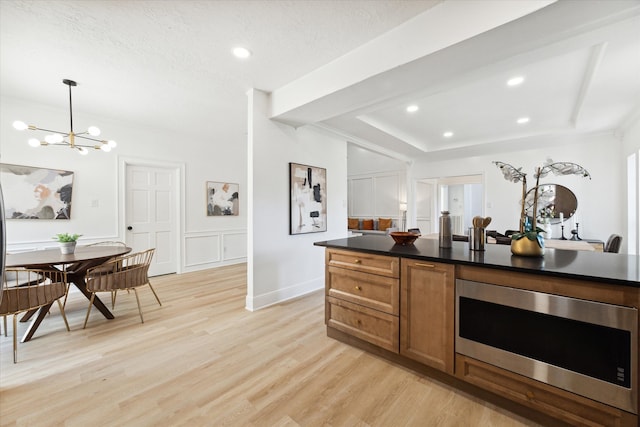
pixel 526 247
pixel 67 247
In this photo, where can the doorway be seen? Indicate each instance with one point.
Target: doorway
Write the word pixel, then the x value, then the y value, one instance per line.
pixel 462 196
pixel 152 212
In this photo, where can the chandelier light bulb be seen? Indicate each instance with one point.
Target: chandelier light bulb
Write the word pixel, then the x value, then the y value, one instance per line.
pixel 241 52
pixel 81 141
pixel 55 138
pixel 111 143
pixel 18 125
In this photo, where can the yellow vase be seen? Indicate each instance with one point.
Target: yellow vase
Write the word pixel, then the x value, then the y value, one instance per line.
pixel 526 247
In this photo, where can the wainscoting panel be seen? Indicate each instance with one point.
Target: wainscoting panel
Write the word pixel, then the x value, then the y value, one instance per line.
pixel 204 249
pixel 377 196
pixel 210 249
pixel 234 246
pixel 361 197
pixel 387 195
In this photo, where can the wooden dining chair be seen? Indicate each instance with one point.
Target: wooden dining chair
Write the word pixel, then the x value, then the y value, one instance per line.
pixel 71 267
pixel 125 272
pixel 30 289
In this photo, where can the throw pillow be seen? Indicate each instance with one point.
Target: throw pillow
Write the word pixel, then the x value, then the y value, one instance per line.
pixel 367 224
pixel 353 223
pixel 384 223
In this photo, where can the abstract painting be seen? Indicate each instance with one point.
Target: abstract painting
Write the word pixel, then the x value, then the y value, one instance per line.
pixel 308 206
pixel 36 193
pixel 222 199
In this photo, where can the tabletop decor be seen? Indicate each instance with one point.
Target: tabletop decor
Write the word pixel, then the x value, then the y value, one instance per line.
pixel 404 238
pixel 528 241
pixel 67 242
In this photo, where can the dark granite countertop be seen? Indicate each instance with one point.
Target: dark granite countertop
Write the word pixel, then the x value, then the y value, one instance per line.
pixel 611 268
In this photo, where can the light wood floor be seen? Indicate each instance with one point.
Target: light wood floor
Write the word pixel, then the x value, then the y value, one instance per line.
pixel 203 360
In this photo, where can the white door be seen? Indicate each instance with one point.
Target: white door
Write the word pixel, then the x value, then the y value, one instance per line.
pixel 150 214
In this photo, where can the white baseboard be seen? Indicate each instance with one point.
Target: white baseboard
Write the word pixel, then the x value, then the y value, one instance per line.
pixel 280 295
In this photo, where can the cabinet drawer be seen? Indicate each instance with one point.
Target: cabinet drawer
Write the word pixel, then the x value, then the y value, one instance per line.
pixel 365 323
pixel 366 263
pixel 373 291
pixel 568 407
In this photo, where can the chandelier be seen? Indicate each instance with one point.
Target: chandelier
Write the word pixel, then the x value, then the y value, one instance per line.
pixel 69 139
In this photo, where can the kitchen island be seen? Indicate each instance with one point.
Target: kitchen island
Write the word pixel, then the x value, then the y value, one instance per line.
pixel 530 330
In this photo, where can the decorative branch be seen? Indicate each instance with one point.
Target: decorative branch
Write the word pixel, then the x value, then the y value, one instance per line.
pixel 514 174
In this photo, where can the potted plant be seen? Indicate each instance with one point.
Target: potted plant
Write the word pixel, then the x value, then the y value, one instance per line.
pixel 67 242
pixel 528 241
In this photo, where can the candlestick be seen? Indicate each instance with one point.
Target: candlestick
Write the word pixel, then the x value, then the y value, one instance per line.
pixel 562 229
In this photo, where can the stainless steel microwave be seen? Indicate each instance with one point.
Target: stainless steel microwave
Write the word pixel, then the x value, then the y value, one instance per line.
pixel 585 347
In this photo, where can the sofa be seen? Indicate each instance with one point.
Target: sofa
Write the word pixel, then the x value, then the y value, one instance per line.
pixel 381 226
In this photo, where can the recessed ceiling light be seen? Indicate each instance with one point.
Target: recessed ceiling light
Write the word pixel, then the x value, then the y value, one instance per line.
pixel 523 120
pixel 447 134
pixel 515 81
pixel 241 52
pixel 412 108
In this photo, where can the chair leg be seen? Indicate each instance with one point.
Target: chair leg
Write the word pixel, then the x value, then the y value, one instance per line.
pixel 88 310
pixel 138 301
pixel 66 295
pixel 64 316
pixel 113 299
pixel 155 295
pixel 15 339
pixel 4 320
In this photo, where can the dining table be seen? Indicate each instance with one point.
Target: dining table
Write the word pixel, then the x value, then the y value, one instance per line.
pixel 76 266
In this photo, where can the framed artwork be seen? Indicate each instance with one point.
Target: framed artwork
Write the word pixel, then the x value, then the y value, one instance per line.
pixel 222 199
pixel 36 193
pixel 308 205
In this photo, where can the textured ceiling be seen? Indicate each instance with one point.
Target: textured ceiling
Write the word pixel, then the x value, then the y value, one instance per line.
pixel 169 63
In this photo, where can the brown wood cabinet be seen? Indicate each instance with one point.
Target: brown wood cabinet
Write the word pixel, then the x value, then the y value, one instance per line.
pixel 560 404
pixel 362 296
pixel 427 313
pixel 407 307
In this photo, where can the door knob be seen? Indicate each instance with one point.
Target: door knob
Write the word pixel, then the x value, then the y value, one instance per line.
pixel 129 228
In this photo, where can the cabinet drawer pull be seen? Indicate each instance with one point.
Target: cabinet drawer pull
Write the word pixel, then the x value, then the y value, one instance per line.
pixel 357 261
pixel 419 264
pixel 358 288
pixel 530 395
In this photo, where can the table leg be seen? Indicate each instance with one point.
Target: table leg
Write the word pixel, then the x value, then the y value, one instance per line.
pixel 79 283
pixel 27 315
pixel 42 312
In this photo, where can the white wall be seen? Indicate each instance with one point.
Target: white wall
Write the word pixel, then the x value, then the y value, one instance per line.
pixel 631 147
pixel 282 266
pixel 601 200
pixel 207 155
pixel 377 185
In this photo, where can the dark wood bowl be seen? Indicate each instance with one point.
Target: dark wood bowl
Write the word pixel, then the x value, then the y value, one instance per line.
pixel 404 237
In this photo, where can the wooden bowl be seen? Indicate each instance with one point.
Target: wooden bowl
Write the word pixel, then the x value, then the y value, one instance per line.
pixel 404 237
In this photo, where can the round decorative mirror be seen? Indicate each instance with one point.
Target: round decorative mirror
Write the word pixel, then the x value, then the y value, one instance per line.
pixel 553 199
